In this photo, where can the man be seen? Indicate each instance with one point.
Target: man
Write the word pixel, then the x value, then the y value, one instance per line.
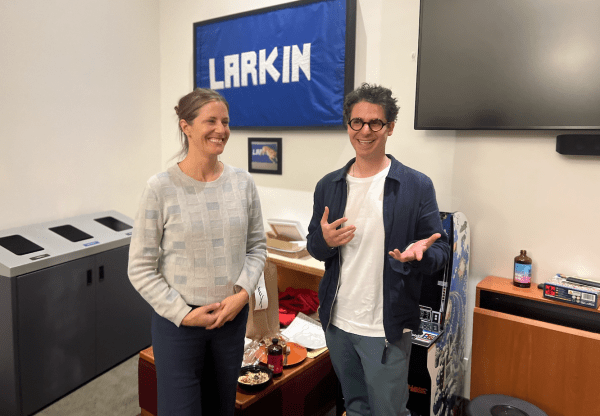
pixel 377 227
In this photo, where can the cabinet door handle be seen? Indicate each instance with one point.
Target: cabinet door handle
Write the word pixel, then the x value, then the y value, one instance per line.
pixel 101 270
pixel 89 277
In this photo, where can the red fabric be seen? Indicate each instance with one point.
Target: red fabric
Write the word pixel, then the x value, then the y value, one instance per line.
pixel 292 301
pixel 286 318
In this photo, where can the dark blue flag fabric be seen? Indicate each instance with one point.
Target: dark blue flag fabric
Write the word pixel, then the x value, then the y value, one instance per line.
pixel 279 68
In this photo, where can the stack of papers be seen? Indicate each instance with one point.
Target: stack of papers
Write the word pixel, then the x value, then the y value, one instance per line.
pixel 305 331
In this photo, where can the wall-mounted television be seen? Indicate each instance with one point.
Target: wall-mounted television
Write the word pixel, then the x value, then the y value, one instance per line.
pixel 508 65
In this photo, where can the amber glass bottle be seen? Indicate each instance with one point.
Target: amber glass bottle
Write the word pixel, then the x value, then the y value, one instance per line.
pixel 522 271
pixel 275 358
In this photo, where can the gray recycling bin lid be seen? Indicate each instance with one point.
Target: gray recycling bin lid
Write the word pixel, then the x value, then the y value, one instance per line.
pixel 37 246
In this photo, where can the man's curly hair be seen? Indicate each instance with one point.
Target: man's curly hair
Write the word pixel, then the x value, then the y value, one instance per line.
pixel 373 94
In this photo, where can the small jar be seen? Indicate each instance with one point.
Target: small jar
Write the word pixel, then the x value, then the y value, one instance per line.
pixel 275 358
pixel 522 270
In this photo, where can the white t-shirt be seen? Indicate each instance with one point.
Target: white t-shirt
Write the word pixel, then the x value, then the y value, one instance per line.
pixel 358 307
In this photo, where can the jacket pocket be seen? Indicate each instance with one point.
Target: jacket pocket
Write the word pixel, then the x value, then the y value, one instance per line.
pixel 399 267
pixel 404 290
pixel 397 288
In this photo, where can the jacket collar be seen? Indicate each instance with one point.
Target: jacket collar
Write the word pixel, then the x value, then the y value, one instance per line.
pixel 396 170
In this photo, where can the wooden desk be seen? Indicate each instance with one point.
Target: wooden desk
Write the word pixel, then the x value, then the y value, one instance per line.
pixel 554 367
pixel 303 273
pixel 309 388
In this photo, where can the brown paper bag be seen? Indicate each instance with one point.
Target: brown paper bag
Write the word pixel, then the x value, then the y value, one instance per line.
pixel 265 322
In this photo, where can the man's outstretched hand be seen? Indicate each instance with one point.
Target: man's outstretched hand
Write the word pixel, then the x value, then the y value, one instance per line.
pixel 416 250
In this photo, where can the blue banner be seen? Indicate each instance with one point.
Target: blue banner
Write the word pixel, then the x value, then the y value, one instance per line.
pixel 277 67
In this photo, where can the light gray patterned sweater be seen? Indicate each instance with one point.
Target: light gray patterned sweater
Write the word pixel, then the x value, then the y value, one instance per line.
pixel 193 242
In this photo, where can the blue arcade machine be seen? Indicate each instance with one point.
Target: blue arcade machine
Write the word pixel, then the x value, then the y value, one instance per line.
pixel 437 371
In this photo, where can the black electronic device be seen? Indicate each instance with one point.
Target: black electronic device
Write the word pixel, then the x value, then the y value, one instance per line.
pixel 572 290
pixel 578 144
pixel 551 312
pixel 584 282
pixel 508 65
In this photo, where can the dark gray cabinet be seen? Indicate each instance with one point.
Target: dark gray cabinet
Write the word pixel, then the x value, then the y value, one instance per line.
pixel 122 315
pixel 68 324
pixel 56 336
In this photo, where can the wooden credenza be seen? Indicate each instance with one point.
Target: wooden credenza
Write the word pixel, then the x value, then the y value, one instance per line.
pixel 309 388
pixel 536 349
pixel 304 273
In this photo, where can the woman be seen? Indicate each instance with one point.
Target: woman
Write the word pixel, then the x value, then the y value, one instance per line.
pixel 197 251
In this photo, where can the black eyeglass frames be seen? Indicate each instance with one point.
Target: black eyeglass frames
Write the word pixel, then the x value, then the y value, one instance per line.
pixel 357 124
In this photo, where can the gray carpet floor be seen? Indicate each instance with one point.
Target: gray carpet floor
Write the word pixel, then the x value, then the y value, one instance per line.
pixel 113 393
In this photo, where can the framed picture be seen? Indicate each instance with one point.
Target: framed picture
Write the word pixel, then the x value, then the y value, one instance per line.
pixel 264 155
pixel 286 66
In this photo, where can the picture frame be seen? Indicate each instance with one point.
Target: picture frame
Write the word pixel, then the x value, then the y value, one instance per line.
pixel 290 229
pixel 265 155
pixel 288 66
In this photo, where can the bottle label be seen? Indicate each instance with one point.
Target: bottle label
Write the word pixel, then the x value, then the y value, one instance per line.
pixel 522 273
pixel 275 363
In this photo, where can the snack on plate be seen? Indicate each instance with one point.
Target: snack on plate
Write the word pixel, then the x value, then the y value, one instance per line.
pixel 252 378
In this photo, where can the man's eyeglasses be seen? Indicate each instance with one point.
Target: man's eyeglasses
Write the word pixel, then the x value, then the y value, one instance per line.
pixel 357 124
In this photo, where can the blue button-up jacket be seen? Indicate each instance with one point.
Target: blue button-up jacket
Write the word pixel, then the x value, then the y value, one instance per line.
pixel 410 214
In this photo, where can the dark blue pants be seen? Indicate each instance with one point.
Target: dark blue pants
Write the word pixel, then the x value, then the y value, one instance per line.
pixel 197 369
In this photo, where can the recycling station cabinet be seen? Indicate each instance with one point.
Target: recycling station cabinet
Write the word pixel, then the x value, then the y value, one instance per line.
pixel 68 311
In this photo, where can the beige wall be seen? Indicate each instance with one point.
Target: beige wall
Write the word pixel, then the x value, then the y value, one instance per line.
pixel 516 191
pixel 88 90
pixel 519 193
pixel 307 156
pixel 300 149
pixel 79 112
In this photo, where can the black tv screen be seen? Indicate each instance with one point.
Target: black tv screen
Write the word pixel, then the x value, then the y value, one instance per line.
pixel 508 64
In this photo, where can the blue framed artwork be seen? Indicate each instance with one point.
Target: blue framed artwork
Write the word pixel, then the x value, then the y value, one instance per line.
pixel 286 66
pixel 264 155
